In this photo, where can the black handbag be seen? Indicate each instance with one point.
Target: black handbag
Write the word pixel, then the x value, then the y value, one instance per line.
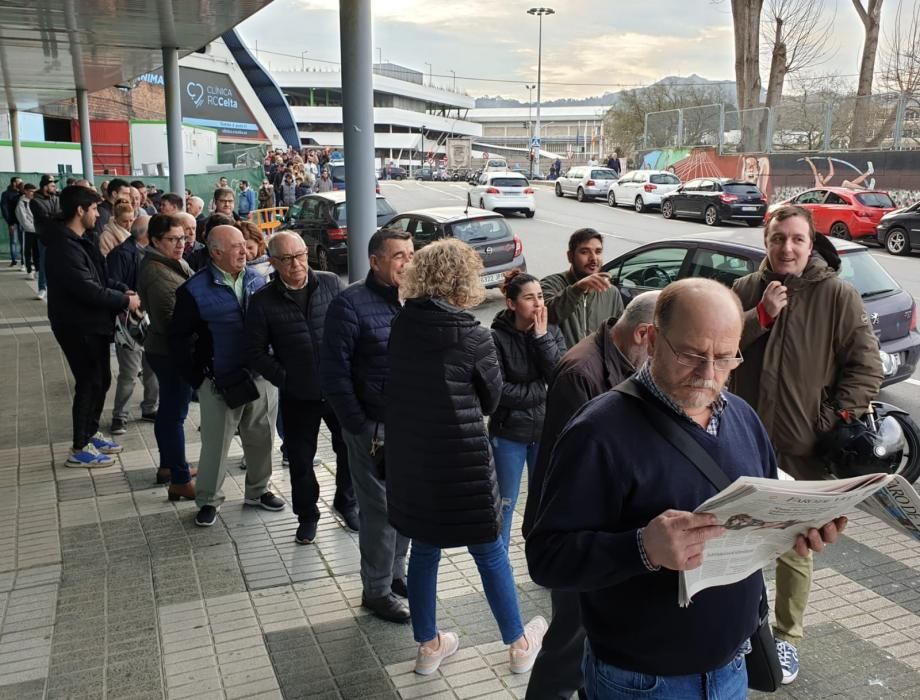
pixel 237 388
pixel 763 668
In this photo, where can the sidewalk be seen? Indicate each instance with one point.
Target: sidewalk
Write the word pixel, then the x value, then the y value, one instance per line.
pixel 109 591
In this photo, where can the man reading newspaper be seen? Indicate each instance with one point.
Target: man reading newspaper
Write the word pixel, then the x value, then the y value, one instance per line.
pixel 615 520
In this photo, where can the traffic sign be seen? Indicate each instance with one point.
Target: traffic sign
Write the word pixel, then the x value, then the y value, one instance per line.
pixel 535 142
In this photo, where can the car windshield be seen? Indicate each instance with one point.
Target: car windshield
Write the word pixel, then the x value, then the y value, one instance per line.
pixel 664 179
pixel 604 174
pixel 497 164
pixel 338 173
pixel 876 200
pixel 509 182
pixel 481 230
pixel 341 211
pixel 737 188
pixel 862 271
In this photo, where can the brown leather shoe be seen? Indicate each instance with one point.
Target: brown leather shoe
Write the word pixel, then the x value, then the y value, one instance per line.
pixel 164 474
pixel 176 492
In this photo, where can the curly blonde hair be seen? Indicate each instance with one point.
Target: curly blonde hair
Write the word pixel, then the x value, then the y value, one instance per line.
pixel 447 269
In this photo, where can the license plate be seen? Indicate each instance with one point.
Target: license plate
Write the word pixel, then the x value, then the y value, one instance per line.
pixel 512 194
pixel 748 208
pixel 491 279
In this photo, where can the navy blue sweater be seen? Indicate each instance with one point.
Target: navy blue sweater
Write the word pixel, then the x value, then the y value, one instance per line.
pixel 611 473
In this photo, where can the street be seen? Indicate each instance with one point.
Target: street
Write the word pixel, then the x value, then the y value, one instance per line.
pixel 545 237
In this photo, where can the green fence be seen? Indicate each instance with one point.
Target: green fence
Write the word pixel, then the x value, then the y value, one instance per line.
pixel 200 185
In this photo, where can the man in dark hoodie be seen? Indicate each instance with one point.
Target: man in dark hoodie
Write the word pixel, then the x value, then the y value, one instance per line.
pixel 8 201
pixel 45 208
pixel 82 306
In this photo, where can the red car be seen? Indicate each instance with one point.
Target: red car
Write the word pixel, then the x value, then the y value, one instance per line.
pixel 841 212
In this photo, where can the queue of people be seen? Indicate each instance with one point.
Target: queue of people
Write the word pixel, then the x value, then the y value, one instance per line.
pixel 433 419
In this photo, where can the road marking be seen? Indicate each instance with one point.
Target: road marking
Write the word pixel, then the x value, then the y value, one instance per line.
pixel 392 184
pixel 569 226
pixel 441 191
pixel 913 381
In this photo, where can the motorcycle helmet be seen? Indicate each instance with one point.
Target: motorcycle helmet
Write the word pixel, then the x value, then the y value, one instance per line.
pixel 131 330
pixel 854 449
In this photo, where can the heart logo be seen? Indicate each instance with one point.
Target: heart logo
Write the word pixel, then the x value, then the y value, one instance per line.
pixel 196 92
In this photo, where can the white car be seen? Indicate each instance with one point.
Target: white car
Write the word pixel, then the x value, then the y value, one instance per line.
pixel 504 192
pixel 642 189
pixel 495 164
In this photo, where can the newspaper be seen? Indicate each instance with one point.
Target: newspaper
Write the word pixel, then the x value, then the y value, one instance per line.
pixel 763 517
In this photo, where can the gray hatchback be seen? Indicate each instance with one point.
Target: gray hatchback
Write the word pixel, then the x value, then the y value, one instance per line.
pixel 486 231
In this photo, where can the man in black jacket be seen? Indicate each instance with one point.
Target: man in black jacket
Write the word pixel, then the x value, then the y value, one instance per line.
pixel 45 208
pixel 596 364
pixel 284 332
pixel 81 308
pixel 8 201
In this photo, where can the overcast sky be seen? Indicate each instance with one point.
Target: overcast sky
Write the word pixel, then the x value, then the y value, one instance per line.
pixel 589 46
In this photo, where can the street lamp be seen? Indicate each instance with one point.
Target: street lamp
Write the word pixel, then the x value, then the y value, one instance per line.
pixel 539 12
pixel 429 73
pixel 530 89
pixel 454 73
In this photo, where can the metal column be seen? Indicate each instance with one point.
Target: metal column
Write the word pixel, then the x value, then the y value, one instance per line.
pixel 536 129
pixel 355 22
pixel 173 121
pixel 16 139
pixel 86 140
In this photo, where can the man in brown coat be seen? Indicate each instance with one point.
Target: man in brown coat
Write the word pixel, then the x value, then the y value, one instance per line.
pixel 810 360
pixel 595 365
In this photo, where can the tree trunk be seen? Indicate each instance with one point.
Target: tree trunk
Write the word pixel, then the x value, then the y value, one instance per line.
pixel 746 21
pixel 778 70
pixel 871 19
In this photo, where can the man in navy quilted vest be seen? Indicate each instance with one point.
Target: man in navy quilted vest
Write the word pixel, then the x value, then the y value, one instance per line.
pixel 207 343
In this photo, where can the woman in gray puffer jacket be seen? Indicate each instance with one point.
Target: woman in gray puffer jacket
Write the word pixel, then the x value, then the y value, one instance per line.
pixel 529 348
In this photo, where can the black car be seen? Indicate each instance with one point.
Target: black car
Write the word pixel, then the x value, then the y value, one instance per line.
pixel 716 199
pixel 424 173
pixel 899 231
pixel 727 255
pixel 396 173
pixel 321 219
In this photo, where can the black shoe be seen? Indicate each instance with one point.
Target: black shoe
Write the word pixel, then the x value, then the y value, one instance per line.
pixel 149 417
pixel 306 533
pixel 349 518
pixel 267 500
pixel 206 517
pixel 389 608
pixel 119 426
pixel 399 587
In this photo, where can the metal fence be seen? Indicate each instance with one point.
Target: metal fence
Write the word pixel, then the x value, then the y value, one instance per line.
pixel 799 123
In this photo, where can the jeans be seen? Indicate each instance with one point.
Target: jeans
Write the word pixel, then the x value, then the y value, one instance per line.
pixel 175 395
pixel 606 682
pixel 497 581
pixel 130 364
pixel 14 243
pixel 302 419
pixel 509 467
pixel 88 357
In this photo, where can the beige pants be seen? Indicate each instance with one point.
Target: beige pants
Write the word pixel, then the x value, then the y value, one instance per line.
pixel 256 423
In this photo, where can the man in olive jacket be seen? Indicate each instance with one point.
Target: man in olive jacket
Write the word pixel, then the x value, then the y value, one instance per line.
pixel 581 299
pixel 801 388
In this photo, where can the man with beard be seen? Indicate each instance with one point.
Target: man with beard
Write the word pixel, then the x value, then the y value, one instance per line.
pixel 615 521
pixel 582 298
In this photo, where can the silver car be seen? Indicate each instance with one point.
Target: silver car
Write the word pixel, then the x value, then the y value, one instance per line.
pixel 585 182
pixel 642 189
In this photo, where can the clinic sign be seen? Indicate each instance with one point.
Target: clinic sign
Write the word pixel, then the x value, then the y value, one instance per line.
pixel 211 100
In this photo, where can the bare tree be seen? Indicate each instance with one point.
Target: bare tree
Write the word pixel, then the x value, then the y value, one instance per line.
pixel 901 55
pixel 871 17
pixel 795 37
pixel 746 23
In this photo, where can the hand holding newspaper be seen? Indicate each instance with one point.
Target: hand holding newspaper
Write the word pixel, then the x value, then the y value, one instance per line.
pixel 763 517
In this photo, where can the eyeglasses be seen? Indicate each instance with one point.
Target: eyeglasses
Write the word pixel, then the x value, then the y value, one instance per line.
pixel 225 201
pixel 288 259
pixel 688 359
pixel 174 239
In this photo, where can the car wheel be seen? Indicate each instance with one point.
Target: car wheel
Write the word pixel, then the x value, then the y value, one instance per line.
pixel 611 199
pixel 322 259
pixel 667 210
pixel 580 195
pixel 558 190
pixel 529 214
pixel 753 223
pixel 639 204
pixel 840 230
pixel 896 242
pixel 711 216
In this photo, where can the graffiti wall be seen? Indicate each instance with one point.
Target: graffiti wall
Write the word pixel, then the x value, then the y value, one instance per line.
pixel 782 175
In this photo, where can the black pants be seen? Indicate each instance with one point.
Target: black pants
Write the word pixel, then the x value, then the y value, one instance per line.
pixel 301 430
pixel 30 254
pixel 557 672
pixel 89 360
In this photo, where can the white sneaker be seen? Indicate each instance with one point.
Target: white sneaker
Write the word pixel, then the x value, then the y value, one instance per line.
pixel 22 268
pixel 42 293
pixel 428 660
pixel 30 276
pixel 522 660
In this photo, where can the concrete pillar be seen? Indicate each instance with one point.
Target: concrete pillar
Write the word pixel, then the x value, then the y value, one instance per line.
pixel 174 148
pixel 86 139
pixel 355 23
pixel 16 139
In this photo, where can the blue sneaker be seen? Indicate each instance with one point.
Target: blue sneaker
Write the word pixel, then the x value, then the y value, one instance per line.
pixel 90 457
pixel 788 660
pixel 106 447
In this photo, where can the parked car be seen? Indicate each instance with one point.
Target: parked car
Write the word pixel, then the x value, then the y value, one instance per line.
pixel 424 173
pixel 322 221
pixel 641 189
pixel 732 253
pixel 899 231
pixel 841 212
pixel 488 233
pixel 507 192
pixel 715 200
pixel 337 174
pixel 397 172
pixel 495 164
pixel 585 182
